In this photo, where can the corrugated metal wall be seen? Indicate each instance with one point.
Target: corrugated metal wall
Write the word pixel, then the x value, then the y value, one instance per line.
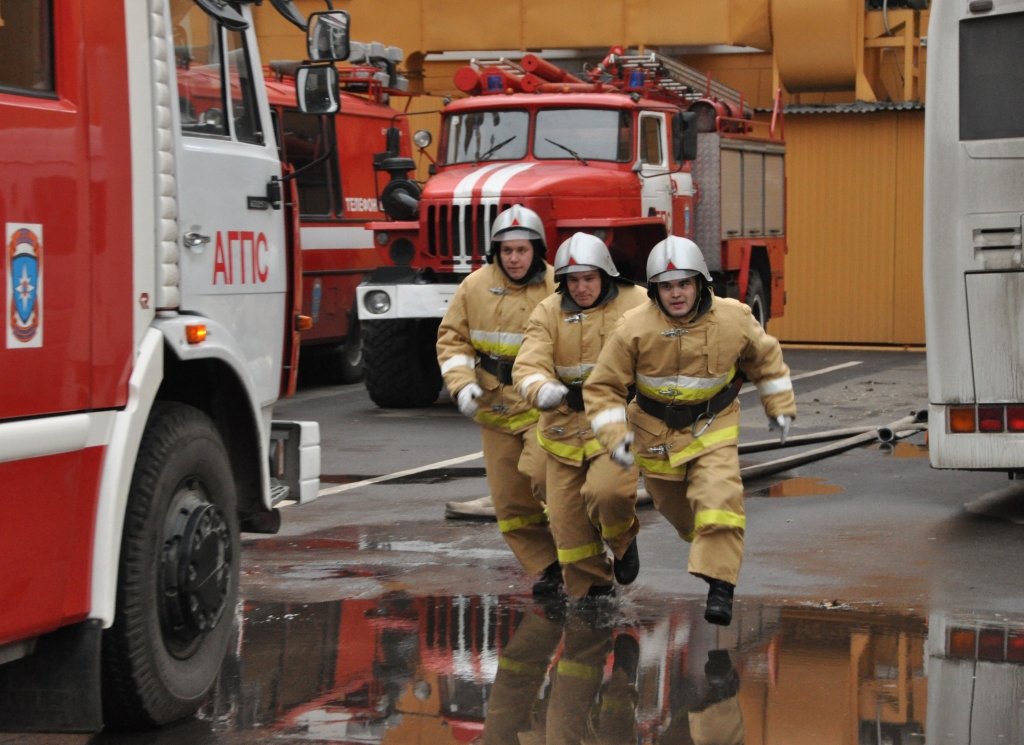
pixel 853 272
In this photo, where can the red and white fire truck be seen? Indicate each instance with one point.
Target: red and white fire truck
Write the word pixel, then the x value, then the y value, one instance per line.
pixel 333 158
pixel 632 149
pixel 151 267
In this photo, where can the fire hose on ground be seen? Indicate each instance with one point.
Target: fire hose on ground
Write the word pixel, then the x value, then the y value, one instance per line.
pixel 839 441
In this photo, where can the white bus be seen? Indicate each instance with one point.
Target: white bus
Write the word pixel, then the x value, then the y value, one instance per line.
pixel 973 211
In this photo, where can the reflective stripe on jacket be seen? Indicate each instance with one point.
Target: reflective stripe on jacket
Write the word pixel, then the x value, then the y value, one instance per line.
pixel 487 316
pixel 564 346
pixel 683 362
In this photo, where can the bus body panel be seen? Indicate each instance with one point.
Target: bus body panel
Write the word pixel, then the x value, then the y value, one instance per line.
pixel 973 213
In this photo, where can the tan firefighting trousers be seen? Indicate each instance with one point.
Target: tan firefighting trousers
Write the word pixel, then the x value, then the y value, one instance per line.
pixel 590 505
pixel 518 498
pixel 719 724
pixel 584 708
pixel 706 509
pixel 513 708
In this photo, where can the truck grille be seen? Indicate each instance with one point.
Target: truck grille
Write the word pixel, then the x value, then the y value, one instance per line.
pixel 458 233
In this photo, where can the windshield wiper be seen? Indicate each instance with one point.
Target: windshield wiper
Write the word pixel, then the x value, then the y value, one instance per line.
pixel 569 150
pixel 494 148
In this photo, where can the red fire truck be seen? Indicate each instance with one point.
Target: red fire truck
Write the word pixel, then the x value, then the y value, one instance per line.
pixel 634 148
pixel 151 265
pixel 333 158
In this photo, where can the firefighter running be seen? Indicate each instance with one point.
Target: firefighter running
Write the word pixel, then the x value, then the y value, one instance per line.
pixel 687 352
pixel 477 342
pixel 591 501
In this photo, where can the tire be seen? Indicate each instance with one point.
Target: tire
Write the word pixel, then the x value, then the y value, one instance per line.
pixel 757 298
pixel 401 363
pixel 344 364
pixel 171 631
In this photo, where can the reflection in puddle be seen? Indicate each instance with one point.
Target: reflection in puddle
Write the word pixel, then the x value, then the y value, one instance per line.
pixel 401 670
pixel 801 486
pixel 908 450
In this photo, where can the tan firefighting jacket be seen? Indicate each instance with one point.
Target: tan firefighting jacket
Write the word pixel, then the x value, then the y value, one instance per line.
pixel 679 361
pixel 563 345
pixel 487 316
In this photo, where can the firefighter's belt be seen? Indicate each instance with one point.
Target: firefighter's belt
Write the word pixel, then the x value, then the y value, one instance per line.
pixel 501 369
pixel 683 416
pixel 574 398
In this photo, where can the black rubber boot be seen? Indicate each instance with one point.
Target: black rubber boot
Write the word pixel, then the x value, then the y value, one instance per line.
pixel 597 609
pixel 719 606
pixel 723 681
pixel 600 591
pixel 550 582
pixel 628 567
pixel 626 655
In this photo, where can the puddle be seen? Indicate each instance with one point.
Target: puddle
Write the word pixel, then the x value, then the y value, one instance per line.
pixel 801 486
pixel 907 450
pixel 406 670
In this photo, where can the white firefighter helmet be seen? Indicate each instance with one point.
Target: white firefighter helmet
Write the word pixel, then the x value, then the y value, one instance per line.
pixel 583 252
pixel 675 258
pixel 517 223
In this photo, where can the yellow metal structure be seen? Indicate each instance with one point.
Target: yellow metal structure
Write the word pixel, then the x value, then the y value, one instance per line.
pixel 854 179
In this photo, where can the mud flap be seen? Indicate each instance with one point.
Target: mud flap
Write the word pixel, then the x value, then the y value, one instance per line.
pixel 56 688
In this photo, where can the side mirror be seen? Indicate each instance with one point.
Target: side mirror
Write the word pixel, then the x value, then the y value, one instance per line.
pixel 684 136
pixel 316 89
pixel 327 36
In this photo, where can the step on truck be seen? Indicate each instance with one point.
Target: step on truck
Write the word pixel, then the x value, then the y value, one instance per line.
pixel 632 149
pixel 151 267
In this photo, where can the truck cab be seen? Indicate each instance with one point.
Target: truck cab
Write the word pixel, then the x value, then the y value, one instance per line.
pixel 150 333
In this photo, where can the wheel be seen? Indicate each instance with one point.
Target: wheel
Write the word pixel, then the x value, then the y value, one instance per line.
pixel 401 364
pixel 344 363
pixel 177 576
pixel 757 298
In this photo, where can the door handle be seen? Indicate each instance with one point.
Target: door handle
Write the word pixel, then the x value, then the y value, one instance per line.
pixel 195 241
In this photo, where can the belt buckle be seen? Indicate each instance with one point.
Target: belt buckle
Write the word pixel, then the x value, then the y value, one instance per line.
pixel 707 417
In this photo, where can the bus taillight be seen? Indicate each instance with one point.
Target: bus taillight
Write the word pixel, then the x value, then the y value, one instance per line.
pixel 991 645
pixel 1015 418
pixel 961 419
pixel 990 418
pixel 965 419
pixel 962 643
pixel 1015 647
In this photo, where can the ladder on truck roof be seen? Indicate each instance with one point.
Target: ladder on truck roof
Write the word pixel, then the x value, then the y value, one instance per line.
pixel 660 75
pixel 681 79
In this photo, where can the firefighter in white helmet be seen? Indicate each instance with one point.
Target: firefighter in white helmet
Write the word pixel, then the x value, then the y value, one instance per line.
pixel 687 352
pixel 477 342
pixel 591 501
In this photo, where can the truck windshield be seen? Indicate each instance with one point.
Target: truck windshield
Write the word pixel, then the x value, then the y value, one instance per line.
pixel 478 136
pixel 584 134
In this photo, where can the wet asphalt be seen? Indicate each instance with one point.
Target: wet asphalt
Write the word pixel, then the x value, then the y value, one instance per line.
pixel 880 600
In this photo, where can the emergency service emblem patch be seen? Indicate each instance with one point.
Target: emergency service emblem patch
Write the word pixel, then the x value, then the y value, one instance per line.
pixel 24 285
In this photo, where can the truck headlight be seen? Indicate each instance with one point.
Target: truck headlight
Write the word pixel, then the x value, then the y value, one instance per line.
pixel 377 302
pixel 422 139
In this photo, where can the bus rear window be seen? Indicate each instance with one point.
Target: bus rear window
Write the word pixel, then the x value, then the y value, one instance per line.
pixel 991 77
